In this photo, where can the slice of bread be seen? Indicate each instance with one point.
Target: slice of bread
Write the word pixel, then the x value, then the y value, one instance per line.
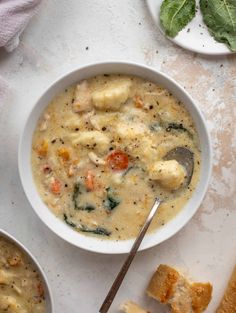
pixel 228 303
pixel 162 282
pixel 170 287
pixel 131 307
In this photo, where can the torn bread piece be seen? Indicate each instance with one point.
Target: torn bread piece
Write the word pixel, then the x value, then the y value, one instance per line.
pixel 169 287
pixel 131 307
pixel 228 303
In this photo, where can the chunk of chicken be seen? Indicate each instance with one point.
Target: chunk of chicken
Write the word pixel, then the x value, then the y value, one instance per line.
pixel 44 124
pixel 112 97
pixel 82 100
pixel 170 174
pixel 6 277
pixel 95 159
pixel 10 304
pixel 14 260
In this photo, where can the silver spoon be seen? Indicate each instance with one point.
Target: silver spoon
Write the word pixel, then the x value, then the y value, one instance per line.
pixel 185 158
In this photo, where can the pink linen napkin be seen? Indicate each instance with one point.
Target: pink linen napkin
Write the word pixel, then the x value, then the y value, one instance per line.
pixel 14 17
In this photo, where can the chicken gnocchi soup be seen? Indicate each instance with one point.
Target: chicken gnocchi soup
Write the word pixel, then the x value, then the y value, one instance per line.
pixel 21 288
pixel 98 155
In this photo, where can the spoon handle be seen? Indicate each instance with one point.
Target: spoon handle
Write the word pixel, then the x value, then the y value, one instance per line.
pixel 118 281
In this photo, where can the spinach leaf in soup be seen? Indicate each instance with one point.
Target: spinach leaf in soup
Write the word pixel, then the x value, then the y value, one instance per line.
pixel 79 190
pixel 176 14
pixel 111 201
pixel 75 195
pixel 154 127
pixel 68 222
pixel 178 127
pixel 97 231
pixel 220 18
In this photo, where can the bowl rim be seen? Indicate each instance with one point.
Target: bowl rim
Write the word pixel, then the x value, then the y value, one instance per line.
pixel 19 244
pixel 94 244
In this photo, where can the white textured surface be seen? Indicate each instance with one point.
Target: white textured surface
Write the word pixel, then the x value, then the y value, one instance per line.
pixel 54 43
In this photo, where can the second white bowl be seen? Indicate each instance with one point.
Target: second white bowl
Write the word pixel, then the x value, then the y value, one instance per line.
pixel 47 291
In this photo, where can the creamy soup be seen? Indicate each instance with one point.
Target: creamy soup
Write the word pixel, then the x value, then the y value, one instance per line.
pixel 98 155
pixel 21 288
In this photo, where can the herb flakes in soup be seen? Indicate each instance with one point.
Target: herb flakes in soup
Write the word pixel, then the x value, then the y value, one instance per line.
pixel 98 155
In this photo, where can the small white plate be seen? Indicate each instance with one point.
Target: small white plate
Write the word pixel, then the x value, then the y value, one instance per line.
pixel 195 36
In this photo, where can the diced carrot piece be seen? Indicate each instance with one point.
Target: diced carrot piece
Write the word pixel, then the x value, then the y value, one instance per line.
pixel 64 153
pixel 118 160
pixel 138 102
pixel 89 181
pixel 40 290
pixel 55 186
pixel 42 148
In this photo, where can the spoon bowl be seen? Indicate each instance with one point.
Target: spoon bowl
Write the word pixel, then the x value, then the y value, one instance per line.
pixel 185 158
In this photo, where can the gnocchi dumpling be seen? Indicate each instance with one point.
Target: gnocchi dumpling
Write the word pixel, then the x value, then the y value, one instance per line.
pixel 98 121
pixel 130 130
pixel 91 139
pixel 74 122
pixel 170 174
pixel 112 97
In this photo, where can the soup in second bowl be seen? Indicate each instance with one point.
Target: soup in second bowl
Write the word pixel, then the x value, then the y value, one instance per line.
pixel 98 155
pixel 21 287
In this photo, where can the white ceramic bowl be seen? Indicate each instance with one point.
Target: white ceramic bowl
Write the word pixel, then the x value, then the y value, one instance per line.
pixel 58 226
pixel 48 293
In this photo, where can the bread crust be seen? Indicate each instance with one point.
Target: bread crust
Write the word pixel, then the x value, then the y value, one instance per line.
pixel 162 282
pixel 168 286
pixel 201 295
pixel 228 303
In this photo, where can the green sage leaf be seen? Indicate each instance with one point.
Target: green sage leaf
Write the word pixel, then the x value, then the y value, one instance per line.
pixel 220 18
pixel 176 14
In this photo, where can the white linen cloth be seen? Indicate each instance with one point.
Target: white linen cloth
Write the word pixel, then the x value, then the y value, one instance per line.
pixel 14 17
pixel 4 92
